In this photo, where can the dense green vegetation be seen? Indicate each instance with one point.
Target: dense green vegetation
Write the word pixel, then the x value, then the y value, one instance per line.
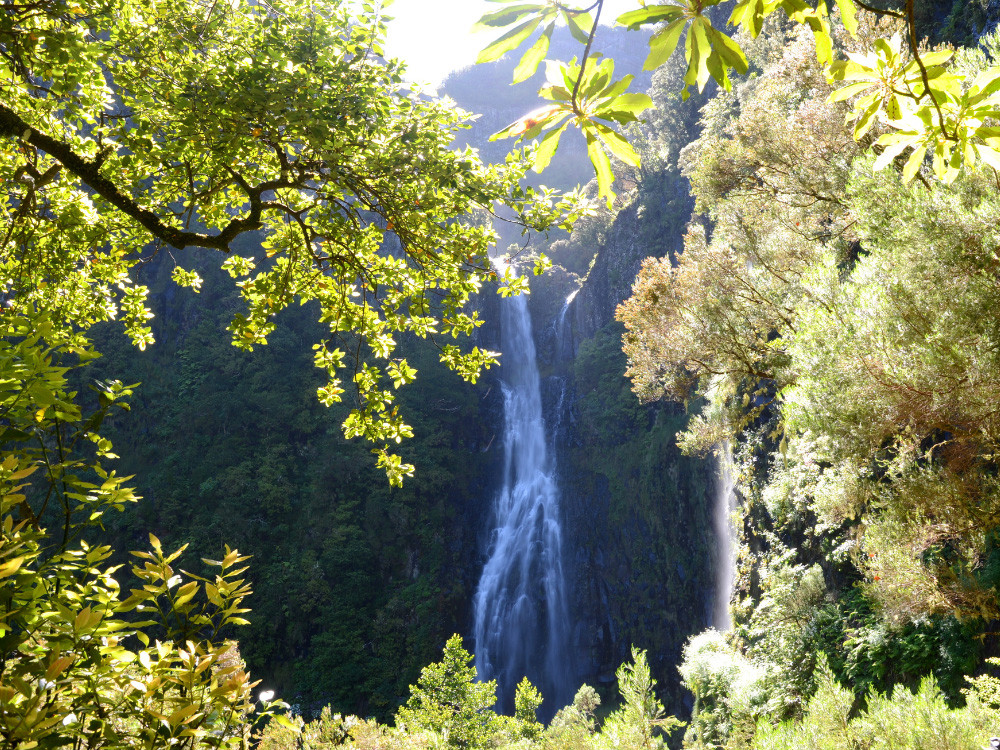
pixel 448 708
pixel 829 317
pixel 278 140
pixel 838 326
pixel 356 584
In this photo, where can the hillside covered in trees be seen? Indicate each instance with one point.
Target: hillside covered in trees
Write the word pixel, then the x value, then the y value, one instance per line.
pixel 779 292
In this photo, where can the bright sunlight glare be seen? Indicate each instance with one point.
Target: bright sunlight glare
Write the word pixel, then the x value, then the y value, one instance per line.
pixel 435 37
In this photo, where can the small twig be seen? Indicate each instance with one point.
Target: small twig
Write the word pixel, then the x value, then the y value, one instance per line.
pixel 912 29
pixel 879 11
pixel 579 11
pixel 586 54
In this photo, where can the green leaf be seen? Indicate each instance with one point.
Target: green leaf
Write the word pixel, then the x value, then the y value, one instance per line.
pixel 718 71
pixel 846 70
pixel 824 42
pixel 989 155
pixel 848 16
pixel 889 153
pixel 749 14
pixel 555 93
pixel 508 41
pixel 596 78
pixel 728 50
pixel 986 83
pixel 533 57
pixel 937 57
pixel 846 92
pixel 186 593
pixel 865 120
pixel 602 165
pixel 617 145
pixel 699 50
pixel 650 14
pixel 580 25
pixel 990 135
pixel 943 86
pixel 663 43
pixel 893 110
pixel 569 72
pixel 534 122
pixel 506 16
pixel 287 723
pixel 913 163
pixel 618 87
pixel 547 148
pixel 888 47
pixel 625 108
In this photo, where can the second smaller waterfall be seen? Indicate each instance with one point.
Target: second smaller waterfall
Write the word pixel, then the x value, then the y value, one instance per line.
pixel 722 523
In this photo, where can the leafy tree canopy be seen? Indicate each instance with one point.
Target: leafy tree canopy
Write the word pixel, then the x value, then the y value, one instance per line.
pixel 131 128
pixel 136 127
pixel 834 317
pixel 924 107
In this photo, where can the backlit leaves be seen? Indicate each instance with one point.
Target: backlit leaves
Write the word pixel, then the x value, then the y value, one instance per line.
pixel 528 17
pixel 277 120
pixel 935 112
pixel 709 52
pixel 930 110
pixel 85 662
pixel 600 103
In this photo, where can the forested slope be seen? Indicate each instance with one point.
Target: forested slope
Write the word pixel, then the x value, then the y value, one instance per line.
pixel 831 323
pixel 837 327
pixel 356 584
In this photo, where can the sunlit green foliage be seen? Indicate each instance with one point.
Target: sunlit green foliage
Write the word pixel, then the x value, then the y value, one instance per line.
pixel 87 662
pixel 931 109
pixel 448 708
pixel 448 701
pixel 641 721
pixel 838 323
pixel 190 124
pixel 903 720
pixel 276 136
pixel 847 307
pixel 774 195
pixel 356 583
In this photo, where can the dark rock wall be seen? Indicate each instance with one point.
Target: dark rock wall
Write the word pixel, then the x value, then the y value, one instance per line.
pixel 636 512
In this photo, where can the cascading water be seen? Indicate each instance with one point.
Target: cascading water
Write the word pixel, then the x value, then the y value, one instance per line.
pixel 521 615
pixel 564 337
pixel 722 522
pixel 564 353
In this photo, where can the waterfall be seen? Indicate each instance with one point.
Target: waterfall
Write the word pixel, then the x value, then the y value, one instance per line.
pixel 564 335
pixel 564 350
pixel 520 615
pixel 722 523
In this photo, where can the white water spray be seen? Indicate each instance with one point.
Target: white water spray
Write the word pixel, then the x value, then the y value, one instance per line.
pixel 722 524
pixel 521 615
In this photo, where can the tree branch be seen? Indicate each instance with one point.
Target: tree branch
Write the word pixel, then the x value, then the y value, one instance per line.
pixel 878 11
pixel 88 172
pixel 586 55
pixel 579 11
pixel 911 27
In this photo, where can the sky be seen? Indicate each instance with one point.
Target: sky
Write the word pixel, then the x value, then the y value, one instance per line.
pixel 434 36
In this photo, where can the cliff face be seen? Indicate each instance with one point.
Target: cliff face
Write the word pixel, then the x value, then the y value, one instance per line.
pixel 610 280
pixel 636 512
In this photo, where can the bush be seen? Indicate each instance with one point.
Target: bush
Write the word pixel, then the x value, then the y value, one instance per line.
pixel 83 664
pixel 728 689
pixel 906 720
